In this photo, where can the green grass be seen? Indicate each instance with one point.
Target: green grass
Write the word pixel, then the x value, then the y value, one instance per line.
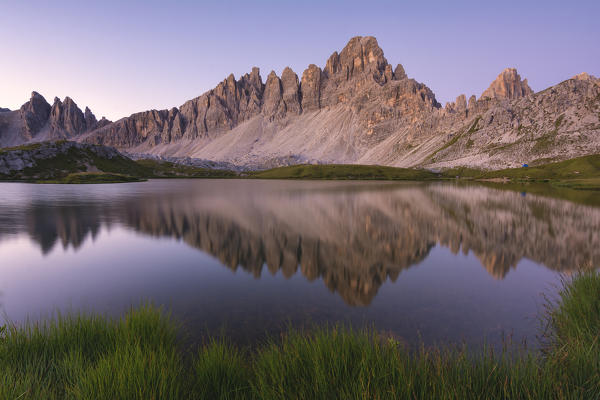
pixel 581 173
pixel 586 167
pixel 23 147
pixel 165 169
pixel 71 165
pixel 140 357
pixel 68 165
pixel 577 173
pixel 344 171
pixel 474 127
pixel 93 177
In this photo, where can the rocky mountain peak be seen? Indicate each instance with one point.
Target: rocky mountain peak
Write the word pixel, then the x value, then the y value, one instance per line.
pixel 34 114
pixel 357 109
pixel 584 76
pixel 66 119
pixel 399 73
pixel 362 53
pixel 38 120
pixel 291 91
pixel 90 119
pixel 273 106
pixel 508 85
pixel 311 88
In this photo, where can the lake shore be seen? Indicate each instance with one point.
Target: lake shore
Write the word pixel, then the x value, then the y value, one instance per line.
pixel 70 162
pixel 140 356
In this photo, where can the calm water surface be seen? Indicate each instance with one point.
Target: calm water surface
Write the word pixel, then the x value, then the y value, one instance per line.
pixel 437 262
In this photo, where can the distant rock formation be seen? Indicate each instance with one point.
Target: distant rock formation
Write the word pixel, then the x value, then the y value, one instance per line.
pixel 357 109
pixel 4 109
pixel 508 85
pixel 35 114
pixel 37 121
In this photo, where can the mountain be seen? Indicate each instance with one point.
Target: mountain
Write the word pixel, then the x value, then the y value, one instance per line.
pixel 358 109
pixel 38 121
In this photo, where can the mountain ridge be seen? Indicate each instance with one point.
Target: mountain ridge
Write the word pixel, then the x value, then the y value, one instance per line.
pixel 357 109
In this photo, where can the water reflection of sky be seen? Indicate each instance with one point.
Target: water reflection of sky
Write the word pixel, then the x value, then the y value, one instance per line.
pixel 252 261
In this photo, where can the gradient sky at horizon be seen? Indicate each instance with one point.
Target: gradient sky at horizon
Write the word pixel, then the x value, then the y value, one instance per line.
pixel 122 57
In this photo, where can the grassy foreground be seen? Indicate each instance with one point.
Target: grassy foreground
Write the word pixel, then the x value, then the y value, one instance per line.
pixel 139 357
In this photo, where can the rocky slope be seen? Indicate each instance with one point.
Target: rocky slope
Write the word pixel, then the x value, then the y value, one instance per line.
pixel 357 109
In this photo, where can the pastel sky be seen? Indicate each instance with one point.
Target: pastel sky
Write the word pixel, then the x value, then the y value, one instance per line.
pixel 120 57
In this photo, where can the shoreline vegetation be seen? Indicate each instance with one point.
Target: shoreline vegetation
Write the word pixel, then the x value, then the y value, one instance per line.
pixel 76 164
pixel 139 356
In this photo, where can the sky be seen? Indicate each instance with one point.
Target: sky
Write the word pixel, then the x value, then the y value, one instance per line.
pixel 121 57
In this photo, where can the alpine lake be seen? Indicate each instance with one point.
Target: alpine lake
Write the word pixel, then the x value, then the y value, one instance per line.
pixel 423 262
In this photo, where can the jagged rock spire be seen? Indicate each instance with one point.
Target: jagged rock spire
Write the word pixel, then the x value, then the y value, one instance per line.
pixel 508 85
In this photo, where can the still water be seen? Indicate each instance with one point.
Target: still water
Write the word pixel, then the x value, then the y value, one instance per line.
pixel 247 258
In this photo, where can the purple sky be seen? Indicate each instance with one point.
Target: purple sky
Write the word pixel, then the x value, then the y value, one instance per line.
pixel 122 58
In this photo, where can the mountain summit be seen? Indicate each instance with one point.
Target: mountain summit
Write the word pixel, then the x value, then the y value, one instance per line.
pixel 37 121
pixel 358 108
pixel 508 85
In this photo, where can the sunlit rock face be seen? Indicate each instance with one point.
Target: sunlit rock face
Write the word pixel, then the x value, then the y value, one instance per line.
pixel 508 85
pixel 352 237
pixel 358 108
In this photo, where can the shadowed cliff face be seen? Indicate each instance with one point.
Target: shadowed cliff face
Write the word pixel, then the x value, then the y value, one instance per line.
pixel 353 237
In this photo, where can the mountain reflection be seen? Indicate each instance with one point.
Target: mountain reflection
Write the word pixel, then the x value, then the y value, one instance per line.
pixel 353 237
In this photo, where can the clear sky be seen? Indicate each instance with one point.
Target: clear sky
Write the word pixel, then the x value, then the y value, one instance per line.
pixel 120 57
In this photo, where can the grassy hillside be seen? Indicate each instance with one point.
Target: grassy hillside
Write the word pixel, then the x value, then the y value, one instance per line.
pixel 582 173
pixel 93 177
pixel 587 167
pixel 164 169
pixel 578 172
pixel 68 162
pixel 344 171
pixel 140 357
pixel 59 160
